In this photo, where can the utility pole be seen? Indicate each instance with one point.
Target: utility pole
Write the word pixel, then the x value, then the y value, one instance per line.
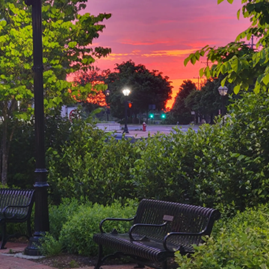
pixel 251 44
pixel 198 82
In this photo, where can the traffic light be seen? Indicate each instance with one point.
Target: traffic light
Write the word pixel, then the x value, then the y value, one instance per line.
pixel 130 105
pixel 151 115
pixel 163 116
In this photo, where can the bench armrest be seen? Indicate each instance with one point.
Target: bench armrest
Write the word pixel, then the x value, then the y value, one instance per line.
pixel 12 206
pixel 179 234
pixel 112 219
pixel 144 225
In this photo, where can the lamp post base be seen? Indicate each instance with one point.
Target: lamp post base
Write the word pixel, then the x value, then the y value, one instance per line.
pixel 33 247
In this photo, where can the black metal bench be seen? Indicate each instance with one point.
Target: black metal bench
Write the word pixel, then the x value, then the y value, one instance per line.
pixel 15 207
pixel 158 229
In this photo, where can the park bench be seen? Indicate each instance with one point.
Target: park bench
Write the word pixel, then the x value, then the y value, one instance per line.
pixel 158 229
pixel 15 207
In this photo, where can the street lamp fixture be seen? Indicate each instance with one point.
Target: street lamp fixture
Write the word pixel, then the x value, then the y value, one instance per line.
pixel 223 91
pixel 107 92
pixel 126 93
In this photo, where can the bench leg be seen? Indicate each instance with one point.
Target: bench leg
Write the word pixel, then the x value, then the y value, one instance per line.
pixel 4 235
pixel 99 262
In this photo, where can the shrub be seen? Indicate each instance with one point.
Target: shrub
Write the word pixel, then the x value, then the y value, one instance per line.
pixel 50 246
pixel 60 214
pixel 219 166
pixel 76 235
pixel 183 166
pixel 243 242
pixel 92 165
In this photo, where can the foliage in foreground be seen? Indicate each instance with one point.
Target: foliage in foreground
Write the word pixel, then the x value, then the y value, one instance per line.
pixel 67 39
pixel 77 232
pixel 92 164
pixel 50 246
pixel 242 242
pixel 74 222
pixel 219 166
pixel 242 65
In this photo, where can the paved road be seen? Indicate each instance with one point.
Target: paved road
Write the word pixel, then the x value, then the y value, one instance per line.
pixel 136 130
pixel 160 128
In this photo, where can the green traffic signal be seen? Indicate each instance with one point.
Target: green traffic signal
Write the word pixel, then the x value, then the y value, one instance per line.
pixel 163 116
pixel 151 116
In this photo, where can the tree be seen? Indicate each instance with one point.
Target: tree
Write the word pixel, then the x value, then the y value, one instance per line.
pixel 207 102
pixel 96 78
pixel 242 65
pixel 147 88
pixel 179 112
pixel 67 37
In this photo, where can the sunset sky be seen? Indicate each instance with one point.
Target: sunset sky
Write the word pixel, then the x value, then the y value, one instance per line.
pixel 161 34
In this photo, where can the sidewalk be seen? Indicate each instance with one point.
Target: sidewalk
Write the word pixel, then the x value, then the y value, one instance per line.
pixel 8 261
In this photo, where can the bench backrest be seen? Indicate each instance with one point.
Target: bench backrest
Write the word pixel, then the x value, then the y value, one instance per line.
pixel 16 197
pixel 180 217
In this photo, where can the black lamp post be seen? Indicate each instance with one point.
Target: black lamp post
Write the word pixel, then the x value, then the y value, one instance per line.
pixel 126 93
pixel 41 224
pixel 223 92
pixel 107 92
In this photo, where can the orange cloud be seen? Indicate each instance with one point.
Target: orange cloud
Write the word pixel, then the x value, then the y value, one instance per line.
pixel 136 43
pixel 173 53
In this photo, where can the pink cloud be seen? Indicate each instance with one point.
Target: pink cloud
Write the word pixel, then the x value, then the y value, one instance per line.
pixel 161 34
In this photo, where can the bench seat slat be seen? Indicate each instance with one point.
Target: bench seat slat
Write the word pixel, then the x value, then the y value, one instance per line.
pixel 15 206
pixel 152 250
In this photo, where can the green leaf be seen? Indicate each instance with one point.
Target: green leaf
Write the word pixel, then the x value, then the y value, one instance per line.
pixel 265 79
pixel 257 88
pixel 207 72
pixel 72 44
pixel 193 59
pixel 201 72
pixel 236 89
pixel 238 14
pixel 234 64
pixel 186 61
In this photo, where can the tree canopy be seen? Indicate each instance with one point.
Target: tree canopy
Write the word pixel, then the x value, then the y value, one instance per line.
pixel 179 112
pixel 242 65
pixel 67 39
pixel 147 88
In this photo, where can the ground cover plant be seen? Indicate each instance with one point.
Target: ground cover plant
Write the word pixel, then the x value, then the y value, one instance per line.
pixel 74 222
pixel 241 242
